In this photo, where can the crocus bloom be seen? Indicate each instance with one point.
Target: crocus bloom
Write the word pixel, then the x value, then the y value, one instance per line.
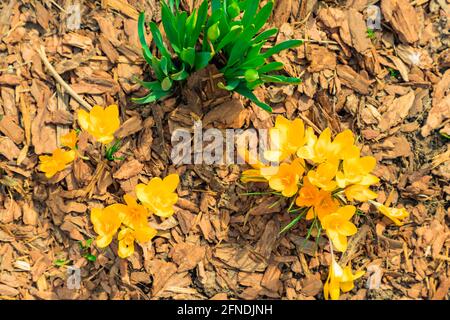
pixel 308 195
pixel 320 201
pixel 342 146
pixel 133 214
pixel 338 226
pixel 106 222
pixel 159 195
pixel 127 236
pixel 322 149
pixel 100 122
pixel 339 280
pixel 357 170
pixel 286 137
pixel 323 176
pixel 359 192
pixel 397 215
pixel 313 150
pixel 56 162
pixel 285 177
pixel 325 205
pixel 70 140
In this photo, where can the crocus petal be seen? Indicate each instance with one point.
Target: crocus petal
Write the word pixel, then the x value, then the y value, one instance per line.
pixel 83 119
pixel 171 182
pixel 347 228
pixel 142 194
pixel 103 241
pixel 145 234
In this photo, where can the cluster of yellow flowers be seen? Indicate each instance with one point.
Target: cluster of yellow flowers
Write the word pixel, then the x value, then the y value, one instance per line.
pixel 157 197
pixel 100 123
pixel 325 175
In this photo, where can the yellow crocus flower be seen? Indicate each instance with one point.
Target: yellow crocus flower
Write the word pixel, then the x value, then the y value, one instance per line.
pixel 70 140
pixel 285 178
pixel 323 176
pixel 133 214
pixel 127 236
pixel 357 170
pixel 359 192
pixel 59 159
pixel 286 137
pixel 322 149
pixel 338 226
pixel 106 222
pixel 100 122
pixel 397 215
pixel 159 195
pixel 339 279
pixel 320 201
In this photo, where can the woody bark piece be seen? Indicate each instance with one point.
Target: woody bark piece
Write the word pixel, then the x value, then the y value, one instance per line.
pixel 8 149
pixel 108 49
pixel 9 80
pixel 123 7
pixel 321 58
pixel 403 18
pixel 397 111
pixel 358 28
pixel 10 129
pixel 436 116
pixel 352 79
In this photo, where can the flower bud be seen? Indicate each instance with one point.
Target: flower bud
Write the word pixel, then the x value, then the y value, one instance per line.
pixel 214 32
pixel 251 75
pixel 233 10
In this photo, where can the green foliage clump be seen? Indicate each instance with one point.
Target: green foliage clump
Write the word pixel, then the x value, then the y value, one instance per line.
pixel 231 37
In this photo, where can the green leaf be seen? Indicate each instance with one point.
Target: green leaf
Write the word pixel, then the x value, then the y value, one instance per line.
pixel 270 67
pixel 263 36
pixel 242 90
pixel 263 15
pixel 181 27
pixel 291 224
pixel 215 5
pixel 168 20
pixel 231 85
pixel 241 46
pixel 61 262
pixel 180 75
pixel 201 20
pixel 188 55
pixel 282 46
pixel 90 257
pixel 202 59
pixel 250 11
pixel 157 37
pixel 280 79
pixel 151 97
pixel 88 242
pixel 232 35
pixel 141 33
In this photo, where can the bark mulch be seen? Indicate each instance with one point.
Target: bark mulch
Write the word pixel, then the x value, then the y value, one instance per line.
pixel 392 89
